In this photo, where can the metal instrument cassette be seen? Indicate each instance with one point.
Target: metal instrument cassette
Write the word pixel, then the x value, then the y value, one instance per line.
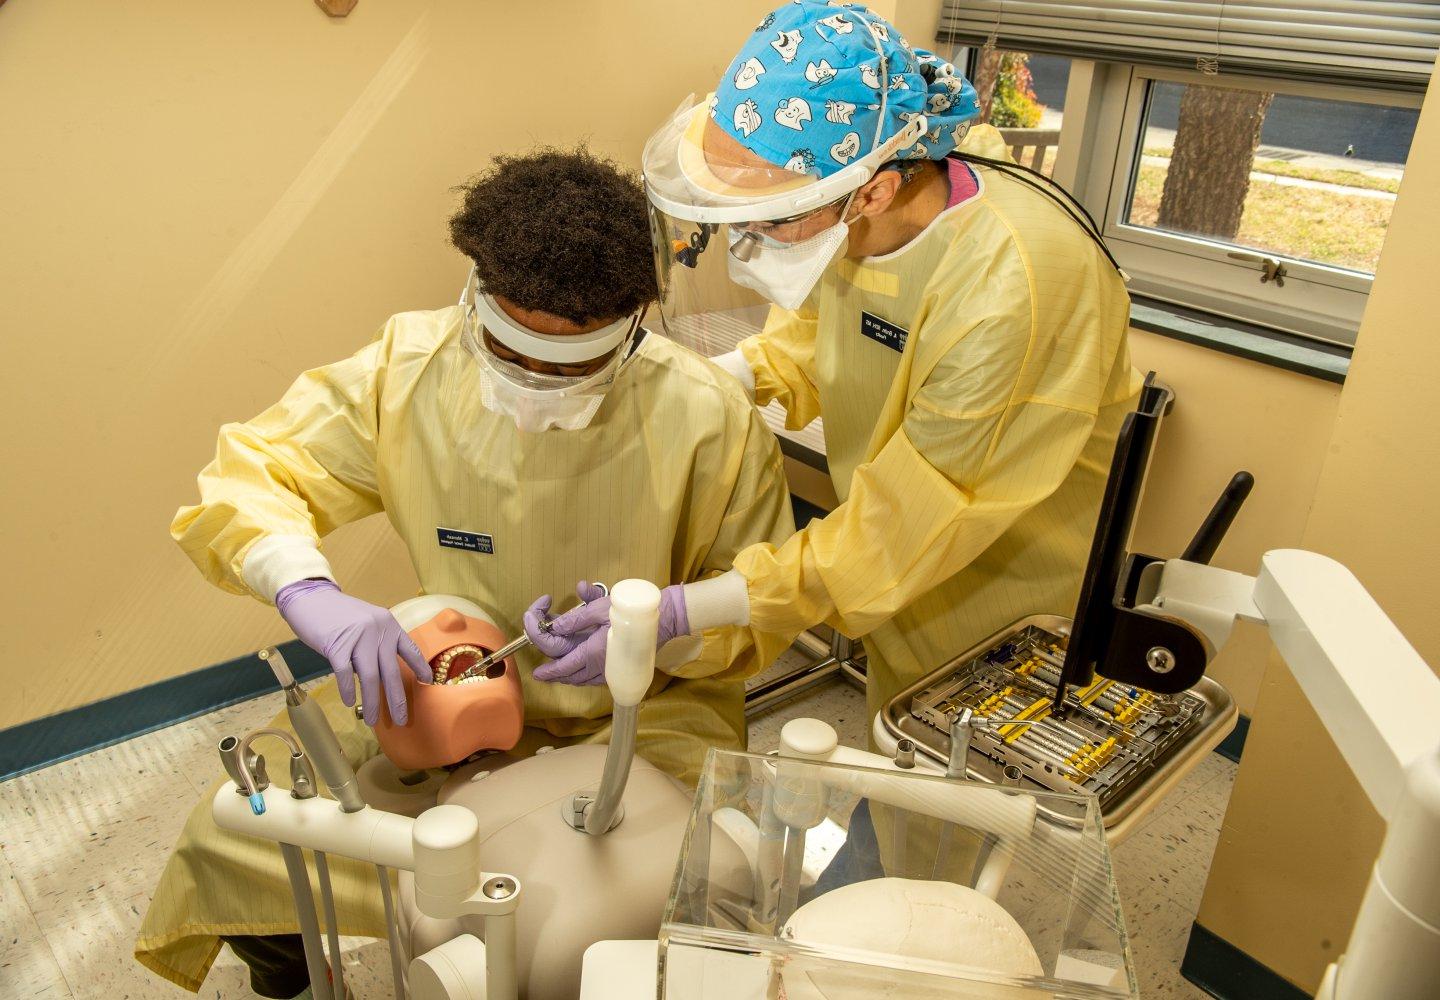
pixel 1124 745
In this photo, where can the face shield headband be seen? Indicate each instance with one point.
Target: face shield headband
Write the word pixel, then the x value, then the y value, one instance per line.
pixel 479 308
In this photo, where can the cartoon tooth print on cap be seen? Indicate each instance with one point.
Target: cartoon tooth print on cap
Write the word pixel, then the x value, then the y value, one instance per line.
pixel 749 73
pixel 786 43
pixel 839 112
pixel 821 72
pixel 844 151
pixel 793 113
pixel 960 131
pixel 802 161
pixel 826 62
pixel 747 117
pixel 765 22
pixel 712 104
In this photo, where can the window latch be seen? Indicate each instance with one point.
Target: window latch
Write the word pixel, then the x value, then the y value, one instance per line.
pixel 1270 268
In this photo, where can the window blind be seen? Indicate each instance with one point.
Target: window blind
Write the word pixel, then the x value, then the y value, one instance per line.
pixel 1353 42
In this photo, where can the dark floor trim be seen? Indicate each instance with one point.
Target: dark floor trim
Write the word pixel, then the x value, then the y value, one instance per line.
pixel 1303 355
pixel 1234 744
pixel 1224 971
pixel 33 745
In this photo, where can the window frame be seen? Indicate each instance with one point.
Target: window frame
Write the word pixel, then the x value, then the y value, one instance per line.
pixel 1317 300
pixel 1101 136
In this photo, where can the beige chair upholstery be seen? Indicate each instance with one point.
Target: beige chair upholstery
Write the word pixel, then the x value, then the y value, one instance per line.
pixel 578 889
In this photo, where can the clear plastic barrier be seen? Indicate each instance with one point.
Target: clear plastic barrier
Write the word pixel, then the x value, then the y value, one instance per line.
pixel 802 881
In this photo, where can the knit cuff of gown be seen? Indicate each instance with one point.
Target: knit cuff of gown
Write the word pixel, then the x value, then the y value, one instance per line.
pixel 276 561
pixel 716 602
pixel 735 363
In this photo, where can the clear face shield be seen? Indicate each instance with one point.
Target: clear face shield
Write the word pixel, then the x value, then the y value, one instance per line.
pixel 542 381
pixel 734 235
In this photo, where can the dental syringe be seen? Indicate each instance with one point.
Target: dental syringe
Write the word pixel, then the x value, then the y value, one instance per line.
pixel 510 648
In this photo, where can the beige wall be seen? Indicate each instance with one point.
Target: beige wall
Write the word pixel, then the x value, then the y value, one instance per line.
pixel 1300 835
pixel 201 200
pixel 230 195
pixel 1232 414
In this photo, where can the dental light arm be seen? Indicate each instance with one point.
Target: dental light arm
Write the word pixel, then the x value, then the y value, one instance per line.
pixel 1379 701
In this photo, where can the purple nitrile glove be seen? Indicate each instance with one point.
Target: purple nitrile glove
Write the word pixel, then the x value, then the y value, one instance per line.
pixel 579 638
pixel 357 638
pixel 537 621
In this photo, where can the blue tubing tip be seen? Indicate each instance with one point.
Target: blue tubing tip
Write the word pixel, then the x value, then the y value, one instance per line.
pixel 257 804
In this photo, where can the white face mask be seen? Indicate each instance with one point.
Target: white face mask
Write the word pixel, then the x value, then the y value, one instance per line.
pixel 569 408
pixel 786 273
pixel 536 401
pixel 542 402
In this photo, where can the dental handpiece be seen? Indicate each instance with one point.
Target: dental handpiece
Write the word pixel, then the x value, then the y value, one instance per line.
pixel 510 648
pixel 316 736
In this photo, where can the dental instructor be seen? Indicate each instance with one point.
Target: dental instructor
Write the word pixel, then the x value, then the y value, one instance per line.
pixel 952 317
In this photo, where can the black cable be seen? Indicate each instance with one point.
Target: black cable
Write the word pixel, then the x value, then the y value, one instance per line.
pixel 1019 171
pixel 1013 166
pixel 1087 224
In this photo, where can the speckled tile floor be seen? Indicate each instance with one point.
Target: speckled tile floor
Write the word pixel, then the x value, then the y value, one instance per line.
pixel 82 844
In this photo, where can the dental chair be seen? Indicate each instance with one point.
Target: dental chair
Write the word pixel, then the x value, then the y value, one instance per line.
pixel 587 833
pixel 583 826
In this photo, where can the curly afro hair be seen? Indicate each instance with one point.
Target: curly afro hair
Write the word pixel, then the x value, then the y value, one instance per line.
pixel 559 231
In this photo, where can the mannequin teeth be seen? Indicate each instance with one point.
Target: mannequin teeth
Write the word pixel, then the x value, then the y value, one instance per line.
pixel 491 672
pixel 444 665
pixel 458 659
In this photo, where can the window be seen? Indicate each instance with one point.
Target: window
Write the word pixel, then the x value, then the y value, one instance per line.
pixel 1259 200
pixel 1242 160
pixel 1023 95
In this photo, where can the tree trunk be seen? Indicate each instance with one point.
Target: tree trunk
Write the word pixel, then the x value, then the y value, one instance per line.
pixel 1209 173
pixel 987 73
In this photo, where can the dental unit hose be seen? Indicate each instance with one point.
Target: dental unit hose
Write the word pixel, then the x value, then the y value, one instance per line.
pixel 332 931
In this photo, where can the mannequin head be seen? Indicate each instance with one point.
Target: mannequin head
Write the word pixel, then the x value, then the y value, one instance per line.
pixel 450 722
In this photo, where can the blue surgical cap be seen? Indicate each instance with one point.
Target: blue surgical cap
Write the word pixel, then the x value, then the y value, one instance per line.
pixel 804 92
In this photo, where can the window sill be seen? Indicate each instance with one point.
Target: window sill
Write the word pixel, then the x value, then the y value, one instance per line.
pixel 1329 362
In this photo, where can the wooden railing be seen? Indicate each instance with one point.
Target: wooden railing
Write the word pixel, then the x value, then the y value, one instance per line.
pixel 1029 145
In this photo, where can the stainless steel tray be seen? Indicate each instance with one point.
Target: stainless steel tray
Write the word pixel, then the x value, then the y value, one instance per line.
pixel 1132 798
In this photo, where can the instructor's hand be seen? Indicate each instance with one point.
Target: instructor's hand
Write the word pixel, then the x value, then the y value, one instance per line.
pixel 576 640
pixel 357 638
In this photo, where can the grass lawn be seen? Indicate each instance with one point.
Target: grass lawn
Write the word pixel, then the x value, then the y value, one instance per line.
pixel 1308 223
pixel 1284 168
pixel 1317 224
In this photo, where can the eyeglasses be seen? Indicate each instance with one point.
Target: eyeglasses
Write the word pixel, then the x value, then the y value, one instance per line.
pixel 769 225
pixel 545 367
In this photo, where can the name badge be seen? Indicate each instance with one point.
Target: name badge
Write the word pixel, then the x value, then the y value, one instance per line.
pixel 470 541
pixel 883 332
